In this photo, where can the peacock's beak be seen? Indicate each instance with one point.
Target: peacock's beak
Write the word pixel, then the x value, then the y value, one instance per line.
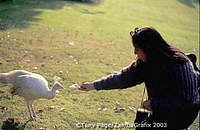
pixel 59 84
pixel 61 87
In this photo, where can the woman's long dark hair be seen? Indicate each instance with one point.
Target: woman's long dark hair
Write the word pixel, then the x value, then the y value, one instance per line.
pixel 156 48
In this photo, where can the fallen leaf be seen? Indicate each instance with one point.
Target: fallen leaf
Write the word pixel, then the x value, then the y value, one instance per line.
pixel 44 57
pixel 42 65
pixel 3 108
pixel 102 108
pixel 52 107
pixel 11 119
pixel 62 109
pixel 71 43
pixel 71 57
pixel 57 78
pixel 119 109
pixel 35 68
pixel 117 103
pixel 55 127
pixel 51 57
pixel 26 52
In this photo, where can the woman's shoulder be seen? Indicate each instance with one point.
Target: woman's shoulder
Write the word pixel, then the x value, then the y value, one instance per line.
pixel 177 64
pixel 181 66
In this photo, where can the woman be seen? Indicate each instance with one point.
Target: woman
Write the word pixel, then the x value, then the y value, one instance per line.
pixel 169 76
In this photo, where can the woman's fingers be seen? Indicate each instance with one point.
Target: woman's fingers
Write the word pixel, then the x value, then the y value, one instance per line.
pixel 86 86
pixel 82 87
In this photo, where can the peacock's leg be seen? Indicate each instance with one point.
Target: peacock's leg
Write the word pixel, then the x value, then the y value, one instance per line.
pixel 30 111
pixel 34 114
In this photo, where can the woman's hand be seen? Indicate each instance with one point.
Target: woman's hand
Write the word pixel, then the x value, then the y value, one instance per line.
pixel 147 105
pixel 87 86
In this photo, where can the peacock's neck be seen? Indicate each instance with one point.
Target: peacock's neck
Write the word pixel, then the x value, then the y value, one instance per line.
pixel 50 94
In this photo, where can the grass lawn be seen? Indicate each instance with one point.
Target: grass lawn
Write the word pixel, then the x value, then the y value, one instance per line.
pixel 81 42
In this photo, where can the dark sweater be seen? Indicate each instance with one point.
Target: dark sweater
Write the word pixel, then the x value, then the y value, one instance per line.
pixel 170 87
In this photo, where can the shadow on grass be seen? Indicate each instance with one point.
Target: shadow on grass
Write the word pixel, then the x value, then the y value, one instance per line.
pixel 86 11
pixel 13 124
pixel 93 2
pixel 19 13
pixel 189 3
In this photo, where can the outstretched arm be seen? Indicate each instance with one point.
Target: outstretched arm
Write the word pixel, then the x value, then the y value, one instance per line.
pixel 127 77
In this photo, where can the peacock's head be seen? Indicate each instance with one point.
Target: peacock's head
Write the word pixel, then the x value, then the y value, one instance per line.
pixel 57 86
